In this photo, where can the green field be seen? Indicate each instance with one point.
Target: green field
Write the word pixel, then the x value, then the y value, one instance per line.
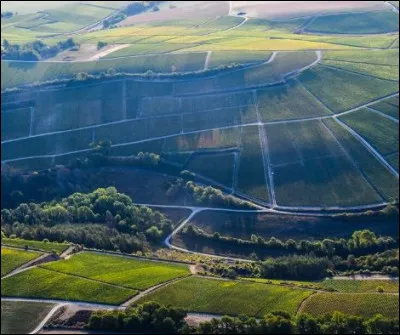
pixel 380 71
pixel 356 23
pixel 290 101
pixel 361 286
pixel 15 123
pixel 22 317
pixel 17 73
pixel 300 142
pixel 35 245
pixel 380 57
pixel 147 48
pixel 127 272
pixel 366 305
pixel 232 57
pixel 12 259
pixel 325 182
pixel 251 176
pixel 326 83
pixel 218 167
pixel 387 108
pixel 385 182
pixel 228 297
pixel 43 283
pixel 207 140
pixel 381 133
pixel 221 118
pixel 394 161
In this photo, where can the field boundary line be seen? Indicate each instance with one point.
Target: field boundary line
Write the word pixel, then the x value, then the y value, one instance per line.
pixel 353 162
pixel 142 294
pixel 25 266
pixel 368 147
pixel 383 114
pixel 301 305
pixel 355 62
pixel 91 279
pixel 263 141
pixel 357 73
pixel 316 98
pixel 79 303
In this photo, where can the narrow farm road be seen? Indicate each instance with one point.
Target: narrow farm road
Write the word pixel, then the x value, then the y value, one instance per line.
pixel 26 266
pixel 47 318
pixel 384 115
pixel 106 52
pixel 369 147
pixel 207 61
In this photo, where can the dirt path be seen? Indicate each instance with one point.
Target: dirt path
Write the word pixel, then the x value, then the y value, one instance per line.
pixel 26 266
pixel 384 115
pixel 108 51
pixel 207 61
pixel 47 318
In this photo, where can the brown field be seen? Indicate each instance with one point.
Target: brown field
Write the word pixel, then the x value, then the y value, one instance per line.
pixel 183 11
pixel 297 9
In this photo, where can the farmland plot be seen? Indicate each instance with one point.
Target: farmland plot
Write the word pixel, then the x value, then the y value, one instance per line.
pixel 226 297
pixel 283 64
pixel 134 149
pixel 366 305
pixel 300 142
pixel 48 144
pixel 147 88
pixel 126 272
pixel 12 259
pixel 394 161
pixel 356 23
pixel 251 176
pixel 381 133
pixel 219 58
pixel 35 245
pixel 22 317
pixel 125 132
pixel 290 101
pixel 356 90
pixel 390 72
pixel 218 167
pixel 383 180
pixel 47 284
pixel 15 123
pixel 16 73
pixel 380 57
pixel 207 140
pixel 220 118
pixel 361 286
pixel 324 182
pixel 387 108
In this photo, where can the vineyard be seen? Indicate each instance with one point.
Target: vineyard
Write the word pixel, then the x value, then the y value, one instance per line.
pixel 12 259
pixel 366 305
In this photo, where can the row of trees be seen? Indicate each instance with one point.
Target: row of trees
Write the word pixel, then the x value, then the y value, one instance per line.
pixel 362 242
pixel 309 267
pixel 152 318
pixel 36 50
pixel 283 323
pixel 205 195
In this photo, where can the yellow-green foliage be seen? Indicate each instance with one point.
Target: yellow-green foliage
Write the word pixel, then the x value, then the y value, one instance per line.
pixel 47 284
pixel 11 259
pixel 35 245
pixel 366 305
pixel 228 297
pixel 127 272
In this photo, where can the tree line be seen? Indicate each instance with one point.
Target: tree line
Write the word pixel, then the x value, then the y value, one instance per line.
pixel 36 50
pixel 362 242
pixel 153 318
